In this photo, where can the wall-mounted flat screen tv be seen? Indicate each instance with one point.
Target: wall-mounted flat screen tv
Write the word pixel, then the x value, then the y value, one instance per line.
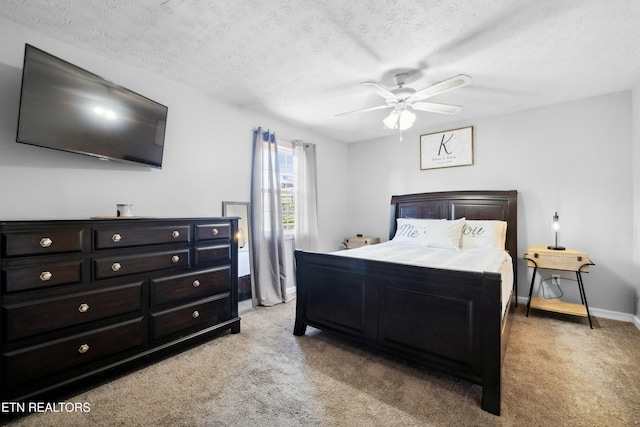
pixel 67 108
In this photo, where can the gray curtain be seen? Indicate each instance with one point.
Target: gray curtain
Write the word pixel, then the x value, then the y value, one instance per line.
pixel 306 211
pixel 266 221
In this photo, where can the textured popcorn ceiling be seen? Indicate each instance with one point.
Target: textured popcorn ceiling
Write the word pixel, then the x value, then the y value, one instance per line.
pixel 302 60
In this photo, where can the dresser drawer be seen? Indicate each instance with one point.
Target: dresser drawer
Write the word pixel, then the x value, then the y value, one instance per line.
pixel 34 363
pixel 41 276
pixel 190 317
pixel 26 319
pixel 212 255
pixel 116 266
pixel 220 230
pixel 122 237
pixel 42 242
pixel 190 286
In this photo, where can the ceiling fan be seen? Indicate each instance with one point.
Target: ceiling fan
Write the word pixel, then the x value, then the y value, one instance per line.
pixel 403 99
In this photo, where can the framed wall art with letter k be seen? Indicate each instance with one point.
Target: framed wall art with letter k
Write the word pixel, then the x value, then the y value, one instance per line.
pixel 446 149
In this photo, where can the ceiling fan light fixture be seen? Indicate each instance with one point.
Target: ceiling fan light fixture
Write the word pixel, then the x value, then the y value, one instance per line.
pixel 406 119
pixel 391 121
pixel 402 99
pixel 399 119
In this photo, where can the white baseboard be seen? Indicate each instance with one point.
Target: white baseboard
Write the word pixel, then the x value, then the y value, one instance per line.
pixel 606 314
pixel 614 315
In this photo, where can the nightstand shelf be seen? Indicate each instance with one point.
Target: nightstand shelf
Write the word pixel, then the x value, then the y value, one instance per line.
pixel 559 306
pixel 539 257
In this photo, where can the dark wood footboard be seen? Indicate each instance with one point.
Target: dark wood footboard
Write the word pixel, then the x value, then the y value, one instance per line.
pixel 449 320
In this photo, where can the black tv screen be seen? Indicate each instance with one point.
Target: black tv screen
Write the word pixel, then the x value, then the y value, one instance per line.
pixel 67 108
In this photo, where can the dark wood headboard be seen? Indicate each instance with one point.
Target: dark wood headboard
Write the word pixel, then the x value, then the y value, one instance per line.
pixel 499 205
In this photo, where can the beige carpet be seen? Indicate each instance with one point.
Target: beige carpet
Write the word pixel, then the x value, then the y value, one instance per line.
pixel 557 372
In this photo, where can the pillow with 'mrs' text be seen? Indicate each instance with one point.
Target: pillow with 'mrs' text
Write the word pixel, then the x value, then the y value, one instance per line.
pixel 435 233
pixel 487 234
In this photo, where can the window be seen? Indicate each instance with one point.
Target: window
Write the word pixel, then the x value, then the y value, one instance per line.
pixel 287 188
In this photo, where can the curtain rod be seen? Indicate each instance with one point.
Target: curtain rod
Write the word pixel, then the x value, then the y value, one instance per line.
pixel 290 141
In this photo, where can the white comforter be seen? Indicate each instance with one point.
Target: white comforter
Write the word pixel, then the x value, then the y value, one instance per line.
pixel 402 253
pixel 478 260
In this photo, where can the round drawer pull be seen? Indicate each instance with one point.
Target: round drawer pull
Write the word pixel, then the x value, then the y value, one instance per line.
pixel 83 348
pixel 83 308
pixel 195 314
pixel 46 276
pixel 214 231
pixel 196 283
pixel 175 233
pixel 45 242
pixel 116 266
pixel 175 258
pixel 116 237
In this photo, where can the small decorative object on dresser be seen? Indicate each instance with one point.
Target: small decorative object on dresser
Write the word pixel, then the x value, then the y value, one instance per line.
pixel 83 297
pixel 539 257
pixel 124 210
pixel 359 240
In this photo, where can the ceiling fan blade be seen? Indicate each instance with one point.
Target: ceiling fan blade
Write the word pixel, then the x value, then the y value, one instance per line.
pixel 432 107
pixel 383 92
pixel 442 87
pixel 379 107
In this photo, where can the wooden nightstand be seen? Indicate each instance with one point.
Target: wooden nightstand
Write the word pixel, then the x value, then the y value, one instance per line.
pixel 565 260
pixel 360 240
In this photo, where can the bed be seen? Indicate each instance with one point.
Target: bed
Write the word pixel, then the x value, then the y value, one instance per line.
pixel 453 320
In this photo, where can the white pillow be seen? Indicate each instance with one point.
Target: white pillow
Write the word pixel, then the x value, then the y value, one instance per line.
pixel 435 233
pixel 484 234
pixel 411 230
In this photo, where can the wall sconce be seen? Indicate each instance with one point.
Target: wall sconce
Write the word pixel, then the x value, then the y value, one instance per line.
pixel 556 226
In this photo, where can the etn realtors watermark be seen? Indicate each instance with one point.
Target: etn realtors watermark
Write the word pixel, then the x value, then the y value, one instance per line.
pixel 39 407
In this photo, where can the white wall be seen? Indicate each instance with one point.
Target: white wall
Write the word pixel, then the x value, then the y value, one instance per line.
pixel 207 155
pixel 635 117
pixel 574 158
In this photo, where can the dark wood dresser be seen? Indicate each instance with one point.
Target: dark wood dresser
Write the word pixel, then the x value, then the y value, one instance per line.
pixel 80 298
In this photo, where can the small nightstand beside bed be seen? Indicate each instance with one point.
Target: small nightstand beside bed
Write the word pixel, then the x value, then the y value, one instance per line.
pixel 454 316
